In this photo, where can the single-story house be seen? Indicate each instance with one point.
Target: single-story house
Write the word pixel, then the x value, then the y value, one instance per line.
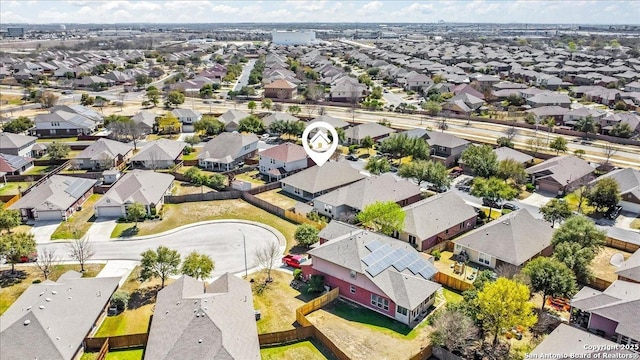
pixel 317 180
pixel 279 161
pixel 629 270
pixel 145 121
pixel 159 154
pixel 445 148
pixel 57 198
pixel 280 89
pixel 436 219
pixel 349 200
pixel 609 313
pixel 549 99
pixel 225 151
pixel 560 174
pixel 543 112
pixel 335 122
pixel 231 119
pixel 377 272
pixel 629 185
pixel 16 144
pixel 355 134
pixel 50 320
pixel 104 154
pixel 514 238
pixel 336 229
pixel 14 165
pixel 504 153
pixel 145 187
pixel 187 116
pixel 196 320
pixel 278 116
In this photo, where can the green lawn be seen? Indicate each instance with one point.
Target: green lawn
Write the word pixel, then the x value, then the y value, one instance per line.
pixel 11 188
pixel 573 201
pixel 175 215
pixel 40 169
pixel 67 139
pixel 135 354
pixel 79 223
pixel 193 155
pixel 251 177
pixel 278 198
pixel 451 296
pixel 307 350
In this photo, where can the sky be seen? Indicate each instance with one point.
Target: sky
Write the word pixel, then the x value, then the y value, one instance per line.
pixel 392 11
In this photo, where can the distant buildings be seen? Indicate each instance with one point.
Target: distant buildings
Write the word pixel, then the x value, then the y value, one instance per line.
pixel 293 37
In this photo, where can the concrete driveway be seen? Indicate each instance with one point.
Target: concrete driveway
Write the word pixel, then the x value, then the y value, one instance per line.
pixel 538 199
pixel 118 268
pixel 101 229
pixel 42 231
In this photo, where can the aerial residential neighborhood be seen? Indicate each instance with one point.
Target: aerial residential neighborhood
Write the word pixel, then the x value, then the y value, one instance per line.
pixel 169 187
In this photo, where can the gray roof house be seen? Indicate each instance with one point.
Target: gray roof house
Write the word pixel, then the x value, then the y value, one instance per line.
pixel 355 134
pixel 349 200
pixel 159 154
pixel 504 152
pixel 278 116
pixel 445 148
pixel 225 151
pixel 103 154
pixel 50 320
pixel 609 313
pixel 426 224
pixel 55 199
pixel 232 118
pixel 195 320
pixel 145 187
pixel 514 239
pixel 335 122
pixel 629 184
pixel 145 121
pixel 187 116
pixel 16 144
pixel 567 340
pixel 560 174
pixel 318 180
pixel 378 272
pixel 629 270
pixel 549 99
pixel 63 123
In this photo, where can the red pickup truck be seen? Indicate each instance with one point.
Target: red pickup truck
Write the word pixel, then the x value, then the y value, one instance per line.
pixel 293 260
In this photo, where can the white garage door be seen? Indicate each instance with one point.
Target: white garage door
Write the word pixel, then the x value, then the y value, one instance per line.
pixel 109 211
pixel 629 206
pixel 49 215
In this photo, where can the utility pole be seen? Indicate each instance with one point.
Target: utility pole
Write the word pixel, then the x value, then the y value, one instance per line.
pixel 244 245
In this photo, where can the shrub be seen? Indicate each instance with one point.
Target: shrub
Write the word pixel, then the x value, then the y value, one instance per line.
pixel 353 148
pixel 482 215
pixel 436 254
pixel 530 187
pixel 120 299
pixel 316 283
pixel 36 281
pixel 297 274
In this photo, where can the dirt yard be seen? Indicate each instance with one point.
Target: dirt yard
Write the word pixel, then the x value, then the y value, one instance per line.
pixel 602 268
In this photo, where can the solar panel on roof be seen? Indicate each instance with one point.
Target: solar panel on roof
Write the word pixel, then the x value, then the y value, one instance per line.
pixel 427 272
pixel 416 266
pixel 377 268
pixel 371 258
pixel 373 245
pixel 404 261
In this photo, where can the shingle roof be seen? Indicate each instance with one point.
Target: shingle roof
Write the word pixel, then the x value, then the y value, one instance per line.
pixel 372 130
pixel 11 163
pixel 233 116
pixel 280 84
pixel 513 238
pixel 567 340
pixel 426 218
pixel 562 169
pixel 435 138
pixel 335 122
pixel 628 180
pixel 145 117
pixel 225 147
pixel 504 153
pixel 196 321
pixel 160 150
pixel 14 141
pixel 142 186
pixel 60 314
pixel 407 288
pixel 56 193
pixel 283 116
pixel 65 116
pixel 179 113
pixel 358 195
pixel 321 178
pixel 336 229
pixel 287 152
pixel 104 147
pixel 630 269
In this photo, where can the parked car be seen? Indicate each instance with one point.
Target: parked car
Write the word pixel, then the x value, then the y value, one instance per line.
pixel 455 172
pixel 510 206
pixel 33 257
pixel 352 158
pixel 613 213
pixel 295 261
pixel 490 203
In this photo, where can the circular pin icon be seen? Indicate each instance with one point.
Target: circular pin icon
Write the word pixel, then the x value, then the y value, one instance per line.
pixel 317 144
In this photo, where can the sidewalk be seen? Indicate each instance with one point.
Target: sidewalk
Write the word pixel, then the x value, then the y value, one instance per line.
pixel 118 268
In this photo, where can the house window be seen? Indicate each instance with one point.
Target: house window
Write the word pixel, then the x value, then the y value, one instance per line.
pixel 273 161
pixel 247 147
pixel 352 289
pixel 402 310
pixel 412 240
pixel 484 258
pixel 379 302
pixel 353 274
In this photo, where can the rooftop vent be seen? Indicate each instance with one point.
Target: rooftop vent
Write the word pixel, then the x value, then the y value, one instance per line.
pixel 41 307
pixel 54 292
pixel 199 341
pixel 47 299
pixel 26 322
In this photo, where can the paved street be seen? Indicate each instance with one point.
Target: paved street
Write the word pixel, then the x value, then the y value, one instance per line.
pixel 243 79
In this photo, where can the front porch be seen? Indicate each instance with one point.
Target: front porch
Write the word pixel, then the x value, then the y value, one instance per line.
pixel 456 273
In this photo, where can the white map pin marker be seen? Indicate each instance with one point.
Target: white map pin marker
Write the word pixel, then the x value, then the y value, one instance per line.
pixel 320 147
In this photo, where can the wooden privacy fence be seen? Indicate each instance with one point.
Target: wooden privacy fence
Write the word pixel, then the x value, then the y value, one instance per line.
pixel 286 336
pixel 599 284
pixel 621 245
pixel 424 354
pixel 104 350
pixel 452 282
pixel 301 219
pixel 116 342
pixel 208 196
pixel 314 305
pixel 11 200
pixel 263 188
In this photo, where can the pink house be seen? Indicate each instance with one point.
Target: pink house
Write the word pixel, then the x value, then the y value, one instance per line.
pixel 378 272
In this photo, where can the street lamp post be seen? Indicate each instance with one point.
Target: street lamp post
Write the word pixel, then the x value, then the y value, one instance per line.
pixel 244 245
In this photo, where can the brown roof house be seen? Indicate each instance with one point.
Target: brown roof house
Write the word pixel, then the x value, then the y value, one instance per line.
pixel 514 238
pixel 14 165
pixel 436 219
pixel 50 320
pixel 560 174
pixel 196 320
pixel 231 119
pixel 318 180
pixel 145 187
pixel 103 154
pixel 279 161
pixel 611 313
pixel 225 151
pixel 280 89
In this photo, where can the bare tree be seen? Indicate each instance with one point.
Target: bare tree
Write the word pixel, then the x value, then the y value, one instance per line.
pixel 81 250
pixel 506 270
pixel 511 133
pixel 322 110
pixel 455 331
pixel 534 144
pixel 608 150
pixel 268 256
pixel 105 162
pixel 47 260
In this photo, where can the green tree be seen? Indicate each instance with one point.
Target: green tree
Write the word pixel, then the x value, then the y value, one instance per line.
pixel 217 181
pixel 206 91
pixel 576 258
pixel 136 212
pixel 251 105
pixel 386 217
pixel 550 277
pixel 534 145
pixel 266 104
pixel 306 235
pixel 18 125
pixel 579 153
pixel 142 80
pixel 511 169
pixel 377 166
pixel 86 99
pixel 576 244
pixel 153 94
pixel 210 125
pixel 429 171
pixel 504 304
pixel 481 159
pixel 197 265
pixel 492 189
pixel 174 98
pixel 604 195
pixel 8 218
pixel 120 300
pixel 168 123
pixel 192 140
pixel 550 123
pixel 622 130
pixel 252 124
pixel 13 246
pixel 559 144
pixel 433 107
pixel 504 142
pixel 58 151
pixel 367 143
pixel 586 125
pixel 400 145
pixel 160 263
pixel 555 210
pixel 294 110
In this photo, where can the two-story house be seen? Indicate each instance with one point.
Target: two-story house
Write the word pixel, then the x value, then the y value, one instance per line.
pixel 103 154
pixel 317 180
pixel 279 161
pixel 445 148
pixel 16 144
